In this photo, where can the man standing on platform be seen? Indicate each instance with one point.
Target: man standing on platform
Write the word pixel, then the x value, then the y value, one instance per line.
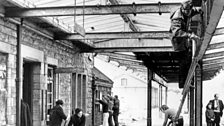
pixel 116 109
pixel 217 106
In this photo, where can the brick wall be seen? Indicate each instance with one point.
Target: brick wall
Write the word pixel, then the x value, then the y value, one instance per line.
pixel 66 57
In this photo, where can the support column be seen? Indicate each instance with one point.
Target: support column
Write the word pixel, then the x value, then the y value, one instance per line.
pixel 149 95
pixel 93 100
pixel 18 76
pixel 192 105
pixel 198 94
pixel 166 95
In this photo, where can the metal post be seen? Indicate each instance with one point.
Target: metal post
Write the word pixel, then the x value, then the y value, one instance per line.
pixel 198 94
pixel 93 100
pixel 149 95
pixel 18 75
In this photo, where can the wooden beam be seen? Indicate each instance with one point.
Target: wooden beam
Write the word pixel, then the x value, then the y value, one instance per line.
pixel 214 61
pixel 213 55
pixel 215 15
pixel 211 72
pixel 125 56
pixel 116 35
pixel 16 10
pixel 133 45
pixel 126 60
pixel 211 66
pixel 219 31
pixel 90 10
pixel 126 43
pixel 212 69
pixel 129 49
pixel 158 79
pixel 139 68
pixel 216 46
pixel 168 68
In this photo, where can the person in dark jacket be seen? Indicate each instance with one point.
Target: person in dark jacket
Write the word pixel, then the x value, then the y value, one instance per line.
pixel 217 107
pixel 78 119
pixel 57 114
pixel 116 109
pixel 180 36
pixel 209 115
pixel 110 110
pixel 105 105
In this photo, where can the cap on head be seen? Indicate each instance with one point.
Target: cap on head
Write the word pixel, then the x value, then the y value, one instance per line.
pixel 187 4
pixel 59 102
pixel 77 110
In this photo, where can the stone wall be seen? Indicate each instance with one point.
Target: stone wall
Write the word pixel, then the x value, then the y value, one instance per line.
pixel 66 56
pixel 8 89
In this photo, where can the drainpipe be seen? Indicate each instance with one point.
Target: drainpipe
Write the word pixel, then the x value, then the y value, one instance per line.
pixel 18 74
pixel 149 98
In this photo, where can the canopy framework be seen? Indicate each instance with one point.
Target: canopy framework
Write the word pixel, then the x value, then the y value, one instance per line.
pixel 121 37
pixel 139 31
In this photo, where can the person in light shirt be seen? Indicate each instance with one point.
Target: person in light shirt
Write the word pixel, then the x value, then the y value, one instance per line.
pixel 170 114
pixel 217 106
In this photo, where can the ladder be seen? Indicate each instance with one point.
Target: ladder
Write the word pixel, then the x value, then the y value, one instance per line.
pixel 186 88
pixel 215 15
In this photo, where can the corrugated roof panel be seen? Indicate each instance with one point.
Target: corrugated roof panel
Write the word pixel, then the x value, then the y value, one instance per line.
pixel 146 22
pixel 153 20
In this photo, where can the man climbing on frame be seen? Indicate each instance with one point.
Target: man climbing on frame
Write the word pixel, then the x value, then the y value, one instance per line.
pixel 181 36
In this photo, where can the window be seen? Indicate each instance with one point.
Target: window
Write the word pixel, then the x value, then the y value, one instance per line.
pixel 79 90
pixel 154 97
pixel 98 95
pixel 50 89
pixel 124 82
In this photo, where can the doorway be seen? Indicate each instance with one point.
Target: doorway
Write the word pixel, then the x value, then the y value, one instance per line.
pixel 27 87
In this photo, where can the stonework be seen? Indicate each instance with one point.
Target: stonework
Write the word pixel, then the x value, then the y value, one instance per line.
pixel 64 52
